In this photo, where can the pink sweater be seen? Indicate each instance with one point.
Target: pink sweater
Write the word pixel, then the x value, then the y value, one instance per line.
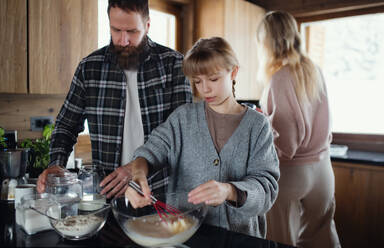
pixel 302 131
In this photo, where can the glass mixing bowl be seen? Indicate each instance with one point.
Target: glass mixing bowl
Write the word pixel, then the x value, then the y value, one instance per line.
pixel 146 228
pixel 70 222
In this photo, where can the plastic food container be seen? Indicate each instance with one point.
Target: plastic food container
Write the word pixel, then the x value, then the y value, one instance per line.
pixel 31 221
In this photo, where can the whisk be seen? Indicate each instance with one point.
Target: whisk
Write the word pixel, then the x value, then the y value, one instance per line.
pixel 162 209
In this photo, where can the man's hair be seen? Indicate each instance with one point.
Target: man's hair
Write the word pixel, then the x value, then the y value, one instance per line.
pixel 139 6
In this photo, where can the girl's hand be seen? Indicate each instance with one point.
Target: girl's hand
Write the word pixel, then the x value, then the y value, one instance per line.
pixel 135 198
pixel 139 175
pixel 212 193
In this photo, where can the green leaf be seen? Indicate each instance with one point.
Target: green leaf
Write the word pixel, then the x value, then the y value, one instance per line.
pixel 40 147
pixel 2 139
pixel 47 131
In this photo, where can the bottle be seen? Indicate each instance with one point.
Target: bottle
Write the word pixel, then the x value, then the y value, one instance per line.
pixel 11 189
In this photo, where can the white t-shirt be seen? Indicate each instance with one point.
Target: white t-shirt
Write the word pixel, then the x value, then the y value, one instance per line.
pixel 133 135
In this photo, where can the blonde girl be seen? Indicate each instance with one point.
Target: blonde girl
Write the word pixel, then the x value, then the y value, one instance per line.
pixel 218 151
pixel 295 100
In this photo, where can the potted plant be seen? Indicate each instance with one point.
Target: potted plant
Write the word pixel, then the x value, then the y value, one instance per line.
pixel 40 149
pixel 3 145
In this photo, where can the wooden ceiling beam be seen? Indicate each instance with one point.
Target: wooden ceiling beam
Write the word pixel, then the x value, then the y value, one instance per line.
pixel 354 12
pixel 260 3
pixel 183 2
pixel 301 9
pixel 324 9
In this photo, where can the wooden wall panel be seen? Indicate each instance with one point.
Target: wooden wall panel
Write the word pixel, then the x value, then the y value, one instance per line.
pixel 13 43
pixel 188 28
pixel 363 142
pixel 16 110
pixel 62 32
pixel 209 18
pixel 241 22
pixel 359 204
pixel 236 21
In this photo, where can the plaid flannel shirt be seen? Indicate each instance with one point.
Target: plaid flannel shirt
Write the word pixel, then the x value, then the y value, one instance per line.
pixel 98 94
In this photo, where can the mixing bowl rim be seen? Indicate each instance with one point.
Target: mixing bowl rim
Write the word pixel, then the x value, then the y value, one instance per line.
pixel 106 206
pixel 115 209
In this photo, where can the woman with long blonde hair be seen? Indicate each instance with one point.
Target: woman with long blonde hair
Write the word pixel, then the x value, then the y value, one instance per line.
pixel 295 100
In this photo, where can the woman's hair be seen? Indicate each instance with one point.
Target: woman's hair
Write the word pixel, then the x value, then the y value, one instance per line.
pixel 280 45
pixel 206 57
pixel 139 6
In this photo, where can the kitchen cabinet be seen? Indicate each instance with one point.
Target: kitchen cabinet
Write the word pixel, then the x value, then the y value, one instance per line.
pixel 58 34
pixel 359 213
pixel 236 21
pixel 13 43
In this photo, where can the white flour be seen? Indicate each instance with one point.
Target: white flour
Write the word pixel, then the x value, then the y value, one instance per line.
pixel 79 225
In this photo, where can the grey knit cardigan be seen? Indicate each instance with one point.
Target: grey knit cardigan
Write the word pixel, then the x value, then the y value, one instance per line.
pixel 248 161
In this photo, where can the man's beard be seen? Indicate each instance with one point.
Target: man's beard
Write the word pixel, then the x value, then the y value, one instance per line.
pixel 128 57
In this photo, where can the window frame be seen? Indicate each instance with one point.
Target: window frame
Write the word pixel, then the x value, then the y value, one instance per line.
pixel 364 142
pixel 173 9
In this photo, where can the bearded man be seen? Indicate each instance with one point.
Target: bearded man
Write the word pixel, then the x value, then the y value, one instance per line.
pixel 124 90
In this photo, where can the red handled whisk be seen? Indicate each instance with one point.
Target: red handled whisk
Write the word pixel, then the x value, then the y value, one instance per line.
pixel 161 208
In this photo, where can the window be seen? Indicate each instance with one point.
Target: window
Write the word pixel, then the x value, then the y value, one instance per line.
pixel 163 28
pixel 350 52
pixel 104 36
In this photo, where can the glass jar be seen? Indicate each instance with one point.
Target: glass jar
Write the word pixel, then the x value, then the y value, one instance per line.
pixel 66 190
pixel 64 183
pixel 91 176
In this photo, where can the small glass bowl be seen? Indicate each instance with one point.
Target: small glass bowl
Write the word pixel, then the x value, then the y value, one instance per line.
pixel 97 201
pixel 146 228
pixel 81 224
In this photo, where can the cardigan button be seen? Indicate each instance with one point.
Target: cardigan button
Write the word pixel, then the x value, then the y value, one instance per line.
pixel 216 162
